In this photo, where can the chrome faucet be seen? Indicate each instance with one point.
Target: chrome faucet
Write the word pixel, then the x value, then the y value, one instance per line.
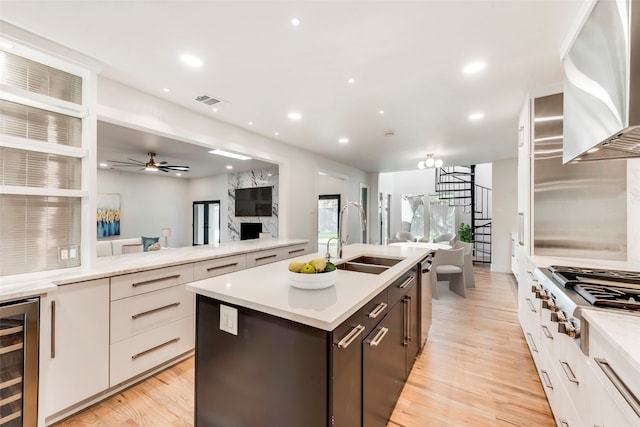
pixel 341 240
pixel 327 255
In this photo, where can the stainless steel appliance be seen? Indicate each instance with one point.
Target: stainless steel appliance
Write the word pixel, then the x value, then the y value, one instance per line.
pixel 566 291
pixel 425 298
pixel 602 84
pixel 19 363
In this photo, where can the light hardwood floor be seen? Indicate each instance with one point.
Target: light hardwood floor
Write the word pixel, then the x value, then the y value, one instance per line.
pixel 474 371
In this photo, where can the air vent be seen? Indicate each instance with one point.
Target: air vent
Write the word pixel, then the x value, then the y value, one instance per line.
pixel 206 99
pixel 389 132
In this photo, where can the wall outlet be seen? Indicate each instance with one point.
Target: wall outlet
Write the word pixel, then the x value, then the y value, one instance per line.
pixel 229 319
pixel 73 253
pixel 64 254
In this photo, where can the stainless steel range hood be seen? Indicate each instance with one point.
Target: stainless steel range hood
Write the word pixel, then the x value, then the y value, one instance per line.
pixel 602 85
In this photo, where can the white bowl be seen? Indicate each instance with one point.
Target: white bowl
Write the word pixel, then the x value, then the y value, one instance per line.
pixel 312 281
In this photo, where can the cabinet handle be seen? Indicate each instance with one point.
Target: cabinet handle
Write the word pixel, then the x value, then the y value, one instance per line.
pixel 563 423
pixel 408 300
pixel 160 279
pixel 265 257
pixel 376 311
pixel 533 344
pixel 569 372
pixel 153 310
pixel 547 380
pixel 622 388
pixel 218 267
pixel 547 333
pixel 295 251
pixel 53 329
pixel 158 347
pixel 531 276
pixel 406 283
pixel 531 307
pixel 351 336
pixel 379 336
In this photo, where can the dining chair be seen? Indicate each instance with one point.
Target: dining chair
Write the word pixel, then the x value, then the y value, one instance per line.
pixel 396 241
pixel 467 250
pixel 448 264
pixel 446 238
pixel 406 235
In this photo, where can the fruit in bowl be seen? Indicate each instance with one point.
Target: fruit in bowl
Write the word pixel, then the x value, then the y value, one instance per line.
pixel 317 273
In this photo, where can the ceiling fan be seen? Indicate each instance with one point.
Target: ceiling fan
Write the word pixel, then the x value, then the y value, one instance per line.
pixel 152 165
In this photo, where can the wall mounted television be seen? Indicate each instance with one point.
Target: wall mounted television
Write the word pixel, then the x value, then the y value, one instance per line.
pixel 256 201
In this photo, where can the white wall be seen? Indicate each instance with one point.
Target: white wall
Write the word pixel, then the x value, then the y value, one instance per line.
pixel 505 212
pixel 298 169
pixel 149 203
pixel 633 210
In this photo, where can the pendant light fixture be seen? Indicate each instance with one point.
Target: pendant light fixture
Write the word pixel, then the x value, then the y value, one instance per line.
pixel 430 162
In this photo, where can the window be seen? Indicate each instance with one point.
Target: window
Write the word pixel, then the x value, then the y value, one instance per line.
pixel 412 211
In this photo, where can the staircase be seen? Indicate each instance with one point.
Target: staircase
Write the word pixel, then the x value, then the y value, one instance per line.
pixel 457 186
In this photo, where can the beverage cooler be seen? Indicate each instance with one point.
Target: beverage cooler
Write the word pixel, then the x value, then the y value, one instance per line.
pixel 19 363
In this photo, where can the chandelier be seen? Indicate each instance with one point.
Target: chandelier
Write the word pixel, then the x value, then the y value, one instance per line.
pixel 430 162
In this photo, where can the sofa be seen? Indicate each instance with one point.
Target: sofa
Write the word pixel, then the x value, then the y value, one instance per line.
pixel 119 246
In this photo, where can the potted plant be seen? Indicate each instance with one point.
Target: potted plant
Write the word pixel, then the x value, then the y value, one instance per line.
pixel 464 232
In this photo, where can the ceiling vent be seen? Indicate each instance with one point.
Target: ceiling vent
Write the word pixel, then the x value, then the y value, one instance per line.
pixel 389 132
pixel 206 99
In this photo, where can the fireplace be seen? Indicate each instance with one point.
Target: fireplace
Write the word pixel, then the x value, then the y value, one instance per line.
pixel 250 230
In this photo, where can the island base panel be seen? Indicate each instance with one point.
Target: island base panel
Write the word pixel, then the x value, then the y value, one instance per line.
pixel 273 373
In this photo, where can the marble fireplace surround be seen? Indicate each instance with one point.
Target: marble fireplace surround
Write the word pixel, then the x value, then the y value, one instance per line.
pixel 251 179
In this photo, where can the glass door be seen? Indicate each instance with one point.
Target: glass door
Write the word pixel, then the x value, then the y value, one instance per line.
pixel 328 211
pixel 206 222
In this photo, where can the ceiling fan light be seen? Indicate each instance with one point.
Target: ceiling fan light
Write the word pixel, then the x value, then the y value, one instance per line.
pixel 151 168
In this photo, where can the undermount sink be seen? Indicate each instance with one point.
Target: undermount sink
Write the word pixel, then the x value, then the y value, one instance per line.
pixel 376 260
pixel 362 268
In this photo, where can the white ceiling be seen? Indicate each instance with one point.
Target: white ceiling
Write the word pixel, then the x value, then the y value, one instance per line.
pixel 406 59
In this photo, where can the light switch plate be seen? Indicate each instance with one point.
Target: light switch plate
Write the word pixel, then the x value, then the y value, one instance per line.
pixel 229 319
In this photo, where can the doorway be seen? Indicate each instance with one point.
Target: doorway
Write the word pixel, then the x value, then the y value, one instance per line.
pixel 328 215
pixel 206 222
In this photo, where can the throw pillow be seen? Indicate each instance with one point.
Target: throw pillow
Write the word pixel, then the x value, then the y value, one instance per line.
pixel 148 241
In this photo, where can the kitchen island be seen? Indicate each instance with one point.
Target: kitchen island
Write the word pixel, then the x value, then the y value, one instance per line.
pixel 271 354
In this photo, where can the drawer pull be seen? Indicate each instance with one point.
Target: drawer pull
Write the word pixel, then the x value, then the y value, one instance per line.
pixel 547 333
pixel 295 251
pixel 233 264
pixel 563 423
pixel 158 347
pixel 546 379
pixel 265 257
pixel 376 311
pixel 160 279
pixel 351 336
pixel 532 343
pixel 53 329
pixel 531 307
pixel 628 395
pixel 144 313
pixel 379 336
pixel 406 283
pixel 569 372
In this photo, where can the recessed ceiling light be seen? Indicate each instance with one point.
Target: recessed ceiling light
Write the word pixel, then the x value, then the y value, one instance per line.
pixel 215 109
pixel 476 116
pixel 343 140
pixel 381 112
pixel 166 89
pixel 192 61
pixel 178 174
pixel 351 81
pixel 474 67
pixel 295 22
pixel 103 165
pixel 229 154
pixel 250 123
pixel 229 167
pixel 295 116
pixel 276 133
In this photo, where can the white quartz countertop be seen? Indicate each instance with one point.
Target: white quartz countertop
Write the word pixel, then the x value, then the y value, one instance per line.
pixel 26 285
pixel 622 333
pixel 267 289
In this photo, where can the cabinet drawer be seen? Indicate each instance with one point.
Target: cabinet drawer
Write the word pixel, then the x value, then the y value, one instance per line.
pixel 375 310
pixel 401 286
pixel 255 259
pixel 293 251
pixel 134 315
pixel 142 352
pixel 151 280
pixel 218 266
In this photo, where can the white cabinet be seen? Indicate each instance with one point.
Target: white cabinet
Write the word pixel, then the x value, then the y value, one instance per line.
pixel 219 266
pixel 268 256
pixel 75 338
pixel 294 251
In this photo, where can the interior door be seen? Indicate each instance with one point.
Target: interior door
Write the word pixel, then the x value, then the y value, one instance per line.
pixel 206 222
pixel 328 211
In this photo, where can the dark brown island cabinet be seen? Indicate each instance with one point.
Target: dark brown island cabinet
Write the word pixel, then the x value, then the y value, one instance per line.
pixel 278 372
